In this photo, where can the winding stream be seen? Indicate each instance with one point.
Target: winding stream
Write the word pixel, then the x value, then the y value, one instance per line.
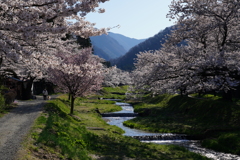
pixel 165 138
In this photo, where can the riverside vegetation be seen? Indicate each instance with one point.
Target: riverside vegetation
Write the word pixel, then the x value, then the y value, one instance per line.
pixel 209 118
pixel 85 135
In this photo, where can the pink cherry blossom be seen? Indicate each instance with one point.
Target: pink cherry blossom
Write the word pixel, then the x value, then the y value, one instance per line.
pixel 77 74
pixel 209 61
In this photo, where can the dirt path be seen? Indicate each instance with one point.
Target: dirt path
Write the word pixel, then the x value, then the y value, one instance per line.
pixel 15 125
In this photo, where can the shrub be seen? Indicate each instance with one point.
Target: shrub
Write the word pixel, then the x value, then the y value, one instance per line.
pixel 2 100
pixel 10 97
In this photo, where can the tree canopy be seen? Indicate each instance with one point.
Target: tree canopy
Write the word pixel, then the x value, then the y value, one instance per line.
pixel 33 32
pixel 78 73
pixel 209 61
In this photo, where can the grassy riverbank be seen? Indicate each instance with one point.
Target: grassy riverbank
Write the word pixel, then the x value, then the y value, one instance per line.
pixel 85 136
pixel 208 117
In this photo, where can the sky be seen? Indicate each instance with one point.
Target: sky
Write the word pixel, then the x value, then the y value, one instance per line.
pixel 139 19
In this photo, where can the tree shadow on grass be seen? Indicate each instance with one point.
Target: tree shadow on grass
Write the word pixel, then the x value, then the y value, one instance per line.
pixel 116 148
pixel 66 137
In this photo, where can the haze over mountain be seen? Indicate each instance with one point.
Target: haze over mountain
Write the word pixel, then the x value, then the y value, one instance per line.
pixel 126 42
pixel 126 62
pixel 113 45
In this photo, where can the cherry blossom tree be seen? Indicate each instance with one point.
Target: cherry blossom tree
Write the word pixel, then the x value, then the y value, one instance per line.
pixel 32 31
pixel 26 24
pixel 35 66
pixel 209 61
pixel 78 73
pixel 114 76
pixel 186 69
pixel 36 25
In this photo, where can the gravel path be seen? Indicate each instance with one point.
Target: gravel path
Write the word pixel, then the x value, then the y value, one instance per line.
pixel 15 125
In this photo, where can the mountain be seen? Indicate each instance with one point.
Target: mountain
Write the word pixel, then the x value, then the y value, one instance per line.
pixel 101 53
pixel 109 45
pixel 126 42
pixel 113 45
pixel 126 62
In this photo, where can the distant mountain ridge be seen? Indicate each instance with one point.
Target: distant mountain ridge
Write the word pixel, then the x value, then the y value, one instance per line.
pixel 126 62
pixel 109 45
pixel 113 45
pixel 126 42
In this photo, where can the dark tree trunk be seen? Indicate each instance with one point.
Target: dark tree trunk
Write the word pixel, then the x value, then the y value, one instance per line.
pixel 181 92
pixel 227 95
pixel 72 104
pixel 199 94
pixel 69 96
pixel 27 89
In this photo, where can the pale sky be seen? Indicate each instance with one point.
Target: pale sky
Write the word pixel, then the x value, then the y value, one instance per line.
pixel 138 19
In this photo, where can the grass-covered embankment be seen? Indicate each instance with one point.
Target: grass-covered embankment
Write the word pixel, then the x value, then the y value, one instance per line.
pixel 206 117
pixel 57 135
pixel 114 93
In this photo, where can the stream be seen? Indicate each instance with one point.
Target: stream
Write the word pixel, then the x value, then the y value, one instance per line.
pixel 164 138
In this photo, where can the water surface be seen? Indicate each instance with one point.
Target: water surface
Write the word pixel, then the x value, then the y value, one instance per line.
pixel 192 145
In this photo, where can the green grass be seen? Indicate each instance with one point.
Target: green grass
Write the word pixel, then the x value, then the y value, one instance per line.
pixel 206 96
pixel 86 135
pixel 114 93
pixel 5 108
pixel 208 117
pixel 3 111
pixel 169 113
pixel 224 142
pixel 60 136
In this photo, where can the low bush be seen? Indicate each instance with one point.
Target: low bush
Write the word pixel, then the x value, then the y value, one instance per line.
pixel 10 97
pixel 3 107
pixel 2 103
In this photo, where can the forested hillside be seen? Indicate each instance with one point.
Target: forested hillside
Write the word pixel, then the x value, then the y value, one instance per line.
pixel 126 42
pixel 108 45
pixel 98 51
pixel 113 45
pixel 154 43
